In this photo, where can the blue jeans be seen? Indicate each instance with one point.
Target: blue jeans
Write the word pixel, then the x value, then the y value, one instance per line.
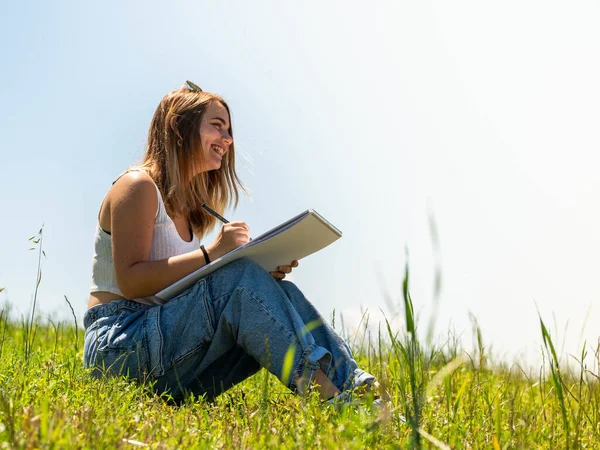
pixel 216 334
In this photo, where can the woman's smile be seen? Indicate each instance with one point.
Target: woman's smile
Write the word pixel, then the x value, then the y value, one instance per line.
pixel 218 150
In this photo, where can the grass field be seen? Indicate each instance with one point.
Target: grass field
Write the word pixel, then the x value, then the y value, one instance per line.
pixel 442 397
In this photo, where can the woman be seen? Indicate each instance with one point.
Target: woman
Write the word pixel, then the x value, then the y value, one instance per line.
pixel 229 324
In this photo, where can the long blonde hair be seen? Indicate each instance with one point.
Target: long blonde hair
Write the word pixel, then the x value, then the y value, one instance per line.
pixel 174 153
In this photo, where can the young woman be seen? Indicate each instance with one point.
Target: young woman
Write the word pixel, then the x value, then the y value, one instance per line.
pixel 229 324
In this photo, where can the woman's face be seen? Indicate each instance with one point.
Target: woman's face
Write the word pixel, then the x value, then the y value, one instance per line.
pixel 214 135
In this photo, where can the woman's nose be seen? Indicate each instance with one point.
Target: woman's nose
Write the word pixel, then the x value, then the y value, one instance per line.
pixel 227 138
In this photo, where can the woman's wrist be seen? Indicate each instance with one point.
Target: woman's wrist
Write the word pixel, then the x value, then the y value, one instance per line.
pixel 205 254
pixel 212 252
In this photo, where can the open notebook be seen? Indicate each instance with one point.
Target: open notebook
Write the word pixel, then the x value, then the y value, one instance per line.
pixel 300 236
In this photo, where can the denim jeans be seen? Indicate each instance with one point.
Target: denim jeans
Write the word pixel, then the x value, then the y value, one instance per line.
pixel 216 334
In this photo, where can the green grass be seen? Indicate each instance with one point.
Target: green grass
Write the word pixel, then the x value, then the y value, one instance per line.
pixel 449 400
pixel 441 398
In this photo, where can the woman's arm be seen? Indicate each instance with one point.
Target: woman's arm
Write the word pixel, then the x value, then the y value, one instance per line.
pixel 132 203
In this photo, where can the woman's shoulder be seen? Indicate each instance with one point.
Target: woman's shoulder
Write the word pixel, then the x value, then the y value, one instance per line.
pixel 134 186
pixel 134 180
pixel 133 196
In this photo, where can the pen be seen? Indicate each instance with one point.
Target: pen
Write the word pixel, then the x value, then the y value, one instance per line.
pixel 212 212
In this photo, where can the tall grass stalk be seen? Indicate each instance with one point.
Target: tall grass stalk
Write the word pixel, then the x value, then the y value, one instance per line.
pixel 31 322
pixel 437 281
pixel 3 326
pixel 557 379
pixel 413 359
pixel 408 353
pixel 76 335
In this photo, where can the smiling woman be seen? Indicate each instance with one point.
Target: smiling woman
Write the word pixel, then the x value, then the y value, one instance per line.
pixel 229 324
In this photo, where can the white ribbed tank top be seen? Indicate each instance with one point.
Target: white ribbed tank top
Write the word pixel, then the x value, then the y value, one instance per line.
pixel 166 242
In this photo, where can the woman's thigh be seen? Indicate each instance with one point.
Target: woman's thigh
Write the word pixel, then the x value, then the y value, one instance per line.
pixel 186 326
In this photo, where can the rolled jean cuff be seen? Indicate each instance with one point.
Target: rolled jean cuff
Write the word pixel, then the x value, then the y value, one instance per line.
pixel 312 359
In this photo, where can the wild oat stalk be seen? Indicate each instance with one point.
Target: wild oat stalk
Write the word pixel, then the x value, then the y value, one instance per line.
pixel 30 325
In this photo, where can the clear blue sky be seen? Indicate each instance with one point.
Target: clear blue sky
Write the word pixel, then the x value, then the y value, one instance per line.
pixel 373 113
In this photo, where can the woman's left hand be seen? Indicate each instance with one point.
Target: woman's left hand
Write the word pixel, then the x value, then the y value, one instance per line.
pixel 282 271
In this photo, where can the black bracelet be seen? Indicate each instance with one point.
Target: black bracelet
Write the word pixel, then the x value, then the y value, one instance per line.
pixel 206 258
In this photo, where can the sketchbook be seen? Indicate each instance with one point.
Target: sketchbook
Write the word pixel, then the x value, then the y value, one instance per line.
pixel 295 239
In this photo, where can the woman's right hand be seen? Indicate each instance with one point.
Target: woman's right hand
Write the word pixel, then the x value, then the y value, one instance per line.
pixel 231 236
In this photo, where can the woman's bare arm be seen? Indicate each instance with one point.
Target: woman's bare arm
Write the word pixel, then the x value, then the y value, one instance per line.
pixel 132 203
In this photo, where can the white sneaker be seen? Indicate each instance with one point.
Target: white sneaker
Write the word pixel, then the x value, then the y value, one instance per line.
pixel 362 383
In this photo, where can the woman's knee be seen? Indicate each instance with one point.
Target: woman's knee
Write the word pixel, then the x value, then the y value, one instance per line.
pixel 240 274
pixel 247 266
